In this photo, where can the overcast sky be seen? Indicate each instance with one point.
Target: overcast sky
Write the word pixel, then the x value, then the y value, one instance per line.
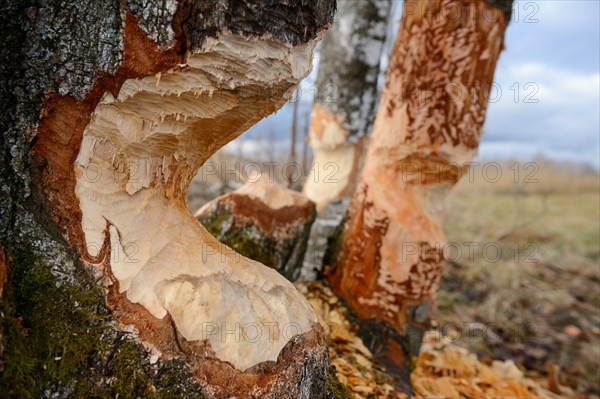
pixel 547 86
pixel 555 45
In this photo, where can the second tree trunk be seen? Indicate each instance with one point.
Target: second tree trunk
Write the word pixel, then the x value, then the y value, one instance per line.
pixel 427 128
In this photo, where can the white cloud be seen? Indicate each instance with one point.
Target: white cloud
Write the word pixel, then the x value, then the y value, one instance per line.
pixel 560 118
pixel 556 86
pixel 559 56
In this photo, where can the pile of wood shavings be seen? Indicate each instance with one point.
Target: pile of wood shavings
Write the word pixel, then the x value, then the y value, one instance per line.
pixel 353 361
pixel 447 371
pixel 442 370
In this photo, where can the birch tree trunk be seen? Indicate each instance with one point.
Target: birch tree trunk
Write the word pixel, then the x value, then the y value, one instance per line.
pixel 264 221
pixel 113 287
pixel 427 128
pixel 344 106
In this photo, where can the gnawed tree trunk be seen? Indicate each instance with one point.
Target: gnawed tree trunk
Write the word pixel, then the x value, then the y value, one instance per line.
pixel 344 106
pixel 428 126
pixel 263 221
pixel 109 109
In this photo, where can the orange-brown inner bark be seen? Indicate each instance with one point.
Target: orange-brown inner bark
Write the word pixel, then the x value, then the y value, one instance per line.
pixel 427 128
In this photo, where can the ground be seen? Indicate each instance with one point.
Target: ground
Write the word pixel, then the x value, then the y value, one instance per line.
pixel 442 370
pixel 537 300
pixel 518 312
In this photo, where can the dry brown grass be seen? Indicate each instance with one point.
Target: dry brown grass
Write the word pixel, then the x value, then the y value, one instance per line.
pixel 529 177
pixel 538 300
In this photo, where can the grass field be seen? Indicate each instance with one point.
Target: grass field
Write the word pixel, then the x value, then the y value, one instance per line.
pixel 529 289
pixel 523 280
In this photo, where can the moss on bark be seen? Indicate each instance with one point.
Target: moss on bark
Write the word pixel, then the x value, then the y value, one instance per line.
pixel 60 337
pixel 284 255
pixel 339 390
pixel 59 342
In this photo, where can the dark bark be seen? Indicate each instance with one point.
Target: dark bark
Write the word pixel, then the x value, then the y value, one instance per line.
pixel 272 235
pixel 57 61
pixel 349 64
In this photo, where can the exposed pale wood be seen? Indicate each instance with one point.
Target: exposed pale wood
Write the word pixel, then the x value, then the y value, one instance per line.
pixel 110 109
pixel 346 97
pixel 335 161
pixel 427 128
pixel 146 145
